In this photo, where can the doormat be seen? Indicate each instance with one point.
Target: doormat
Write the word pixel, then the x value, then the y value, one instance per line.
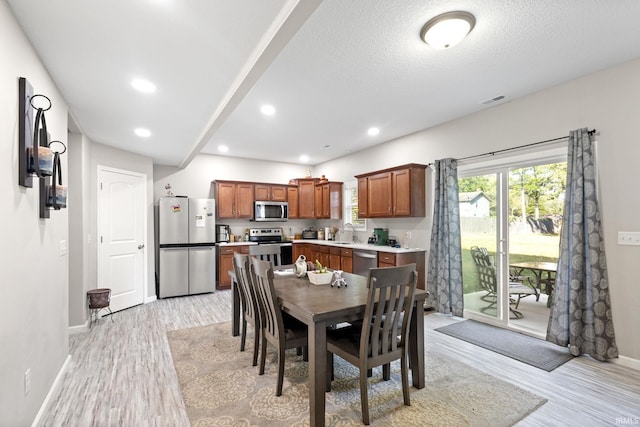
pixel 526 349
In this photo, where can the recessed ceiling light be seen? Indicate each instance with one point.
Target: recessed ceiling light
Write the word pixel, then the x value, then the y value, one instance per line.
pixel 268 110
pixel 304 158
pixel 447 30
pixel 373 131
pixel 144 133
pixel 143 85
pixel 223 148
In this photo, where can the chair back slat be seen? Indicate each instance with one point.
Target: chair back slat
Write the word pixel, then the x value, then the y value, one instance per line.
pixel 248 295
pixel 269 253
pixel 390 300
pixel 262 274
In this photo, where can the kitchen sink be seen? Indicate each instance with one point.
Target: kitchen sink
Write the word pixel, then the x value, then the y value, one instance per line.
pixel 338 242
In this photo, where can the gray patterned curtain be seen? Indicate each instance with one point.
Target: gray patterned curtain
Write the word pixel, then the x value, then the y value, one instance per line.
pixel 444 276
pixel 581 311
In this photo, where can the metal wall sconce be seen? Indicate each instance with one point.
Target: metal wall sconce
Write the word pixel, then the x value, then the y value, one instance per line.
pixel 36 157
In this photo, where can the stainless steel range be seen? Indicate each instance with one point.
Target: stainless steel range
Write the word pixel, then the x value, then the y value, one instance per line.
pixel 273 236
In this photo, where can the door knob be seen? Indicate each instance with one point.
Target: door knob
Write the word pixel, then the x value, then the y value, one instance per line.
pixel 140 246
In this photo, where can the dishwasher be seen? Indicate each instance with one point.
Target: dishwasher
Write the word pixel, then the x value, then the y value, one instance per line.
pixel 363 260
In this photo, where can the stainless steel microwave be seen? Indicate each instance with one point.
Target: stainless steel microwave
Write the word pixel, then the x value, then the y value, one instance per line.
pixel 271 211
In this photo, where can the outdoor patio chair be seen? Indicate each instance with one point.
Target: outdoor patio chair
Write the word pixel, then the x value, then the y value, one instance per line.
pixel 488 281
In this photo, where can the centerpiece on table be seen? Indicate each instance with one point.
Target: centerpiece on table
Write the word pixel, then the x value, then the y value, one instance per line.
pixel 320 276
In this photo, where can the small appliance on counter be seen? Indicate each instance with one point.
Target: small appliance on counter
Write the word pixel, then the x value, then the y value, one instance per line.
pixel 223 232
pixel 309 233
pixel 382 235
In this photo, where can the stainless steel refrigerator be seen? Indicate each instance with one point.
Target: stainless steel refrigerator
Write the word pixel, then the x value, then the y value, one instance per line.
pixel 187 256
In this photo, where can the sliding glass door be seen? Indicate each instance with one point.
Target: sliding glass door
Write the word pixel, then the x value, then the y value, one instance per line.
pixel 510 219
pixel 478 197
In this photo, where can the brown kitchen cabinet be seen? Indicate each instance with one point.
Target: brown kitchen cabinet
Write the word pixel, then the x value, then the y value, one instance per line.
pixel 292 201
pixel 319 253
pixel 234 199
pixel 301 249
pixel 386 259
pixel 328 200
pixel 335 258
pixel 225 263
pixel 394 192
pixel 306 198
pixel 346 259
pixel 277 193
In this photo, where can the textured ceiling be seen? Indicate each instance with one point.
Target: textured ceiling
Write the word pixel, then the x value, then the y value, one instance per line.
pixel 331 68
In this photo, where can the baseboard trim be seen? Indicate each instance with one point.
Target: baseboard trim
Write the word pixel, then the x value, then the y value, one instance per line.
pixel 150 299
pixel 52 389
pixel 78 328
pixel 627 362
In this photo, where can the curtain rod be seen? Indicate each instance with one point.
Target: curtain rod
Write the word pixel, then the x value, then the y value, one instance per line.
pixel 492 153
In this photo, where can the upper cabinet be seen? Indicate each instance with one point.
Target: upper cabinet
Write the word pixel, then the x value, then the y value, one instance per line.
pixel 394 192
pixel 306 198
pixel 234 199
pixel 328 200
pixel 277 193
pixel 292 200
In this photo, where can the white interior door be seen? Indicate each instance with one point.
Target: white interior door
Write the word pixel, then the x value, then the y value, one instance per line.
pixel 121 236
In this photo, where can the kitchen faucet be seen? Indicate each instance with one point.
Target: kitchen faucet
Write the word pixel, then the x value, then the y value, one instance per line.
pixel 353 233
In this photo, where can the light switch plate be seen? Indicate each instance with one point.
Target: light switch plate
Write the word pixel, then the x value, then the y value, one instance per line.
pixel 63 247
pixel 629 238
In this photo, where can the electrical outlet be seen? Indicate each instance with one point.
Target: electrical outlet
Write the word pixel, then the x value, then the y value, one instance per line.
pixel 628 238
pixel 27 381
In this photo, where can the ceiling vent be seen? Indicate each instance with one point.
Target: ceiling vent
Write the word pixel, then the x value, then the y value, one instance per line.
pixel 492 100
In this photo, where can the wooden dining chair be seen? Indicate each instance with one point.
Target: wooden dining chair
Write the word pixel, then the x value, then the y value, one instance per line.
pixel 267 252
pixel 389 307
pixel 249 302
pixel 281 334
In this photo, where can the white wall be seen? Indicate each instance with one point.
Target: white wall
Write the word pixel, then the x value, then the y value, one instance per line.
pixel 195 179
pixel 34 301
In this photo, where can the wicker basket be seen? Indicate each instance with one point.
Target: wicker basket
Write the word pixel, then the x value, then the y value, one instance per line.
pixel 99 298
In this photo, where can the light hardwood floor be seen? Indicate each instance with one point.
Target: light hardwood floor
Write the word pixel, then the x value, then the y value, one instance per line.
pixel 122 374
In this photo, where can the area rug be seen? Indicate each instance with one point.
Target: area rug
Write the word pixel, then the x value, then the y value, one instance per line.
pixel 221 388
pixel 530 350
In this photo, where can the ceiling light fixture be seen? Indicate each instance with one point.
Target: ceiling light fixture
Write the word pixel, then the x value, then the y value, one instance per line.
pixel 143 133
pixel 447 30
pixel 143 85
pixel 373 131
pixel 268 110
pixel 223 148
pixel 304 158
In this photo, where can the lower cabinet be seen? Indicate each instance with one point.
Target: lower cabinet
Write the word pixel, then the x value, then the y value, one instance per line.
pixel 225 263
pixel 335 258
pixel 386 259
pixel 321 254
pixel 346 259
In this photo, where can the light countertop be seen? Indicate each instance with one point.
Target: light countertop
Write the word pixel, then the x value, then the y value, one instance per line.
pixel 340 244
pixel 360 246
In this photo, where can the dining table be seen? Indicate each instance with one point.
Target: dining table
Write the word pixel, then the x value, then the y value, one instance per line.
pixel 539 270
pixel 323 306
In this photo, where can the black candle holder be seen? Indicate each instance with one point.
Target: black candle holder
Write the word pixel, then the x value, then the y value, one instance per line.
pixel 32 137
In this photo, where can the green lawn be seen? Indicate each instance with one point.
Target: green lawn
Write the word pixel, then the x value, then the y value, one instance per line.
pixel 523 247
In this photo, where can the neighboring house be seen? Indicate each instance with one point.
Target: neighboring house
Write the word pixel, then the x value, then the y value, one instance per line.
pixel 474 204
